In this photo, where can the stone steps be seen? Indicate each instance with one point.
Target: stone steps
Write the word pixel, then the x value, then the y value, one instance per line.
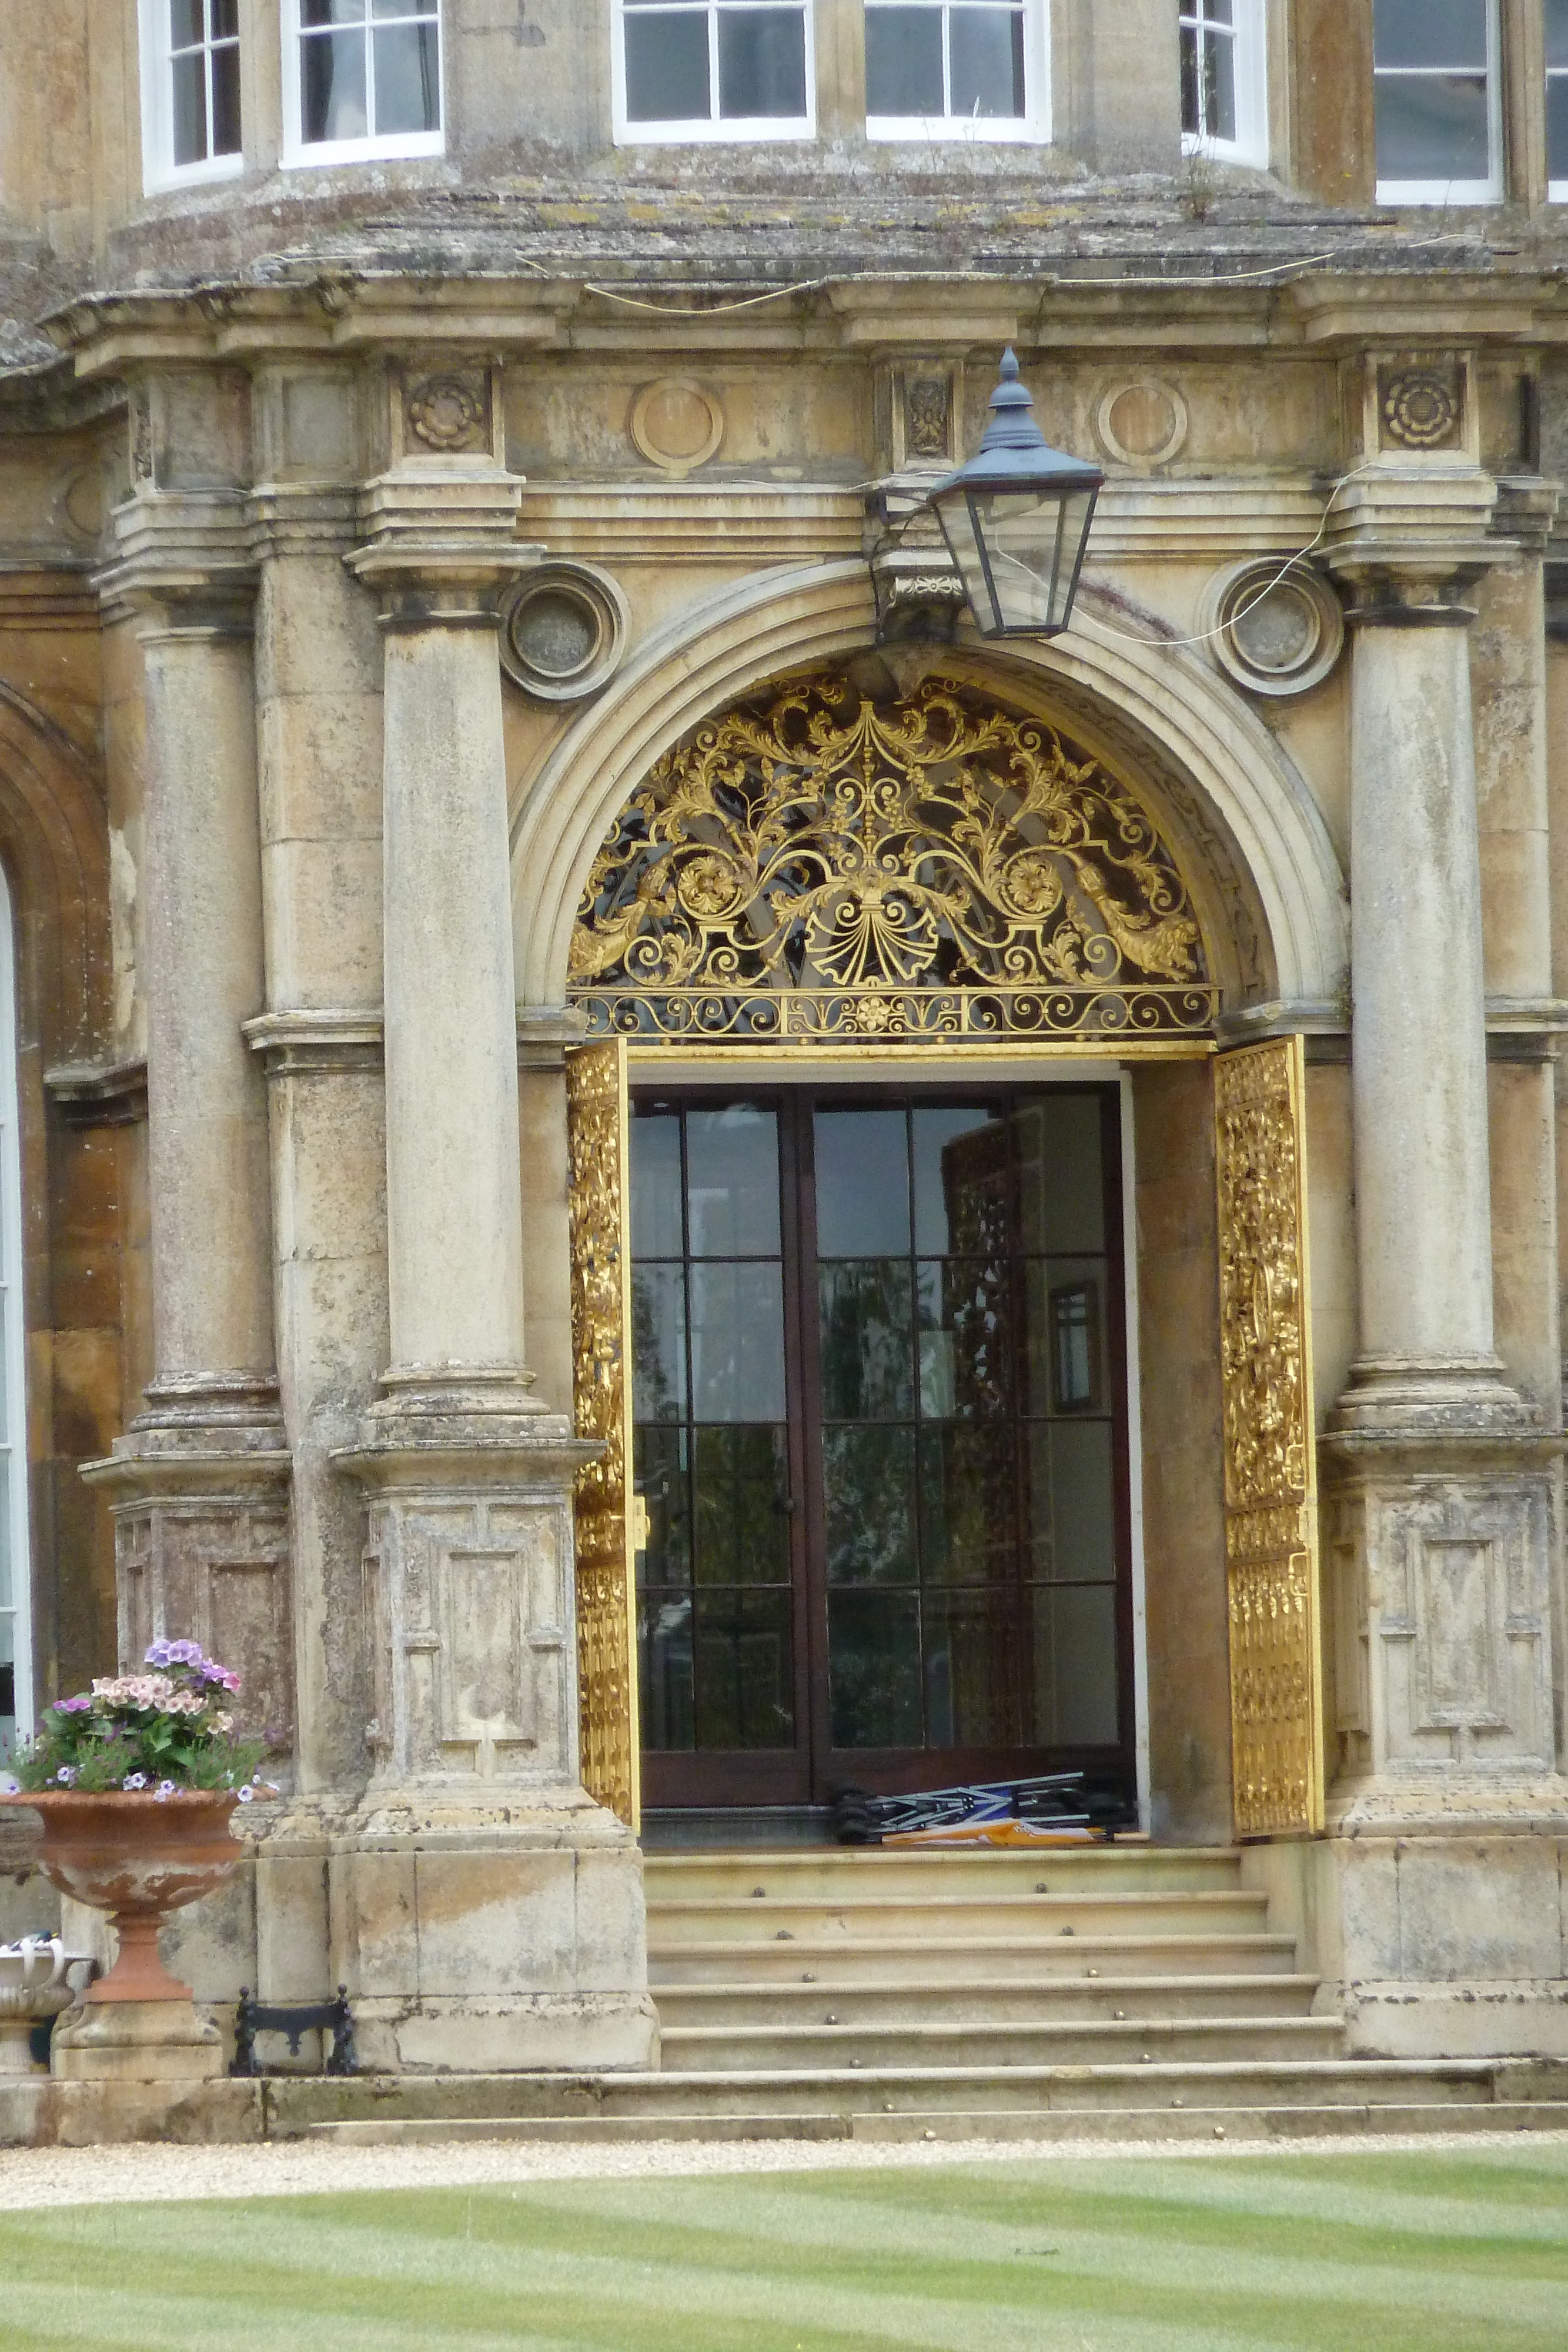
pixel 904 1999
pixel 959 1959
pixel 989 2043
pixel 913 1918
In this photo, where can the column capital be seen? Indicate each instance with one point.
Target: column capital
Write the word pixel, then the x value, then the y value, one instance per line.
pixel 1410 541
pixel 440 544
pixel 183 561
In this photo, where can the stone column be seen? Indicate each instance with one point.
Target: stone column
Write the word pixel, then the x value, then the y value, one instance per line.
pixel 201 1478
pixel 1441 1533
pixel 492 1913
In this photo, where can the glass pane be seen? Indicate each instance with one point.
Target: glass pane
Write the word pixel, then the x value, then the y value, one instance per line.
pixel 867 1335
pixel 862 1183
pixel 332 11
pixel 977 1668
pixel 225 101
pixel 1217 12
pixel 762 63
pixel 745 1670
pixel 332 85
pixel 189 92
pixel 1083 1497
pixel 1557 32
pixel 408 80
pixel 1038 1535
pixel 732 1181
pixel 666 68
pixel 738 1343
pixel 664 1669
pixel 966 1339
pixel 873 1646
pixel 1074 1665
pixel 903 61
pixel 741 1490
pixel 962 1192
pixel 658 1343
pixel 659 1476
pixel 1065 1352
pixel 1191 111
pixel 655 1157
pixel 987 62
pixel 1429 32
pixel 1220 87
pixel 967 1523
pixel 224 17
pixel 186 30
pixel 868 1478
pixel 1061 1180
pixel 1432 127
pixel 1557 127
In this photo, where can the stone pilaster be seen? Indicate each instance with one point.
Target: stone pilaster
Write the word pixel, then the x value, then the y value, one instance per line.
pixel 1441 1542
pixel 201 1478
pixel 491 1913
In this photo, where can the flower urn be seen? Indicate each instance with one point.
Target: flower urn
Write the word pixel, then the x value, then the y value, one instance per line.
pixel 35 1986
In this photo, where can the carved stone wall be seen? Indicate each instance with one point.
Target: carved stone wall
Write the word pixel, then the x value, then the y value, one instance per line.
pixel 215 1569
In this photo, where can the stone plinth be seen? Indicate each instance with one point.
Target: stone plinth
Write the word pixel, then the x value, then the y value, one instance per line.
pixel 136 2041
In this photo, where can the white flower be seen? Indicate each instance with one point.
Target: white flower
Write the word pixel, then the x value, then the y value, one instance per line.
pixel 246 1796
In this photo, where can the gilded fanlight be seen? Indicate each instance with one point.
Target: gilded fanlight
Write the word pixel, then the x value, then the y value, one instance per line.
pixel 815 865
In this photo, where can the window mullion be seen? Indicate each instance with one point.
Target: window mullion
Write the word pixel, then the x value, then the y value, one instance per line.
pixel 715 108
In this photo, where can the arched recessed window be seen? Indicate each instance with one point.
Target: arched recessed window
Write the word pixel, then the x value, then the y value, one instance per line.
pixel 16 1582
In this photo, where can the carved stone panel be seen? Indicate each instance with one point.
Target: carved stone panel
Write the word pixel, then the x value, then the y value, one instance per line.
pixel 213 1570
pixel 601 1349
pixel 1270 1469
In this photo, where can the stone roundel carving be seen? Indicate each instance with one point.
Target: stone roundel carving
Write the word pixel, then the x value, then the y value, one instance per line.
pixel 563 631
pixel 1274 631
pixel 1143 422
pixel 447 413
pixel 1421 409
pixel 676 425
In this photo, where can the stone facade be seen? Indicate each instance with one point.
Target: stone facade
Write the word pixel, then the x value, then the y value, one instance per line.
pixel 367 532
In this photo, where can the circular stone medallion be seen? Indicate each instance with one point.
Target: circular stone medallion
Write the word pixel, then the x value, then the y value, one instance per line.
pixel 1142 424
pixel 563 631
pixel 675 424
pixel 1275 632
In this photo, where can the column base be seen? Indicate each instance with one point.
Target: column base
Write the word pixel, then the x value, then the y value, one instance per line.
pixel 136 2041
pixel 1413 1396
pixel 200 1495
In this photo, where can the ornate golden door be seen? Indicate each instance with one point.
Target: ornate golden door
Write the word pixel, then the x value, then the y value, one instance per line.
pixel 1271 1459
pixel 602 1383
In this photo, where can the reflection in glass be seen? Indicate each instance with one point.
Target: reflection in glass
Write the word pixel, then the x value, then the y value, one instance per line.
pixel 967 1505
pixel 667 68
pixel 655 1157
pixel 658 1343
pixel 659 1463
pixel 762 64
pixel 744 1665
pixel 867 1335
pixel 868 1476
pixel 987 65
pixel 732 1181
pixel 977 1669
pixel 966 1337
pixel 1429 33
pixel 1433 127
pixel 1077 1353
pixel 862 1183
pixel 874 1640
pixel 664 1669
pixel 1082 1506
pixel 903 61
pixel 741 1488
pixel 737 1342
pixel 1075 1666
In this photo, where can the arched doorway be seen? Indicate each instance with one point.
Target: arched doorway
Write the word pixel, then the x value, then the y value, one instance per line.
pixel 862 939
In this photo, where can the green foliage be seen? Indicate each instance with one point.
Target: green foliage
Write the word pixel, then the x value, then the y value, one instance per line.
pixel 168 1728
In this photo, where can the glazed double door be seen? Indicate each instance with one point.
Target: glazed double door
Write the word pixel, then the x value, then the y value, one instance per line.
pixel 879 1467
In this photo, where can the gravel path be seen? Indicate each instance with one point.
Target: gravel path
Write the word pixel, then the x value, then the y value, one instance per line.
pixel 101 2176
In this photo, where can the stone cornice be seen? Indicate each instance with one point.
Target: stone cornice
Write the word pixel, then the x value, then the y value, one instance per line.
pixel 306 1043
pixel 99 1093
pixel 302 518
pixel 440 543
pixel 182 557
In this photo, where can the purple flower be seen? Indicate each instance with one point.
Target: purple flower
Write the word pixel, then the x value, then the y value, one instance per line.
pixel 134 1781
pixel 246 1796
pixel 164 1788
pixel 67 1776
pixel 183 1653
pixel 158 1654
pixel 77 1705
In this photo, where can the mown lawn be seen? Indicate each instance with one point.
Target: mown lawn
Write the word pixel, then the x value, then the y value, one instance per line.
pixel 1363 2252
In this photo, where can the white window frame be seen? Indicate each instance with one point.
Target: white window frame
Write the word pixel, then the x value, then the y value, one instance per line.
pixel 1032 127
pixel 13 1429
pixel 732 129
pixel 1556 190
pixel 1249 44
pixel 298 154
pixel 159 168
pixel 1458 192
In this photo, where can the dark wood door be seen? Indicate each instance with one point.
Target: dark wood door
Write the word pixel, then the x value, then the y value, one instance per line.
pixel 880 1440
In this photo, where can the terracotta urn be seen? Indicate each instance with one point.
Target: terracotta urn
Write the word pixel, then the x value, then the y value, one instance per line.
pixel 139 1859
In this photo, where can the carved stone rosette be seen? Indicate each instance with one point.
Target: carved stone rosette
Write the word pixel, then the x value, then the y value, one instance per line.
pixel 1271 1468
pixel 601 1352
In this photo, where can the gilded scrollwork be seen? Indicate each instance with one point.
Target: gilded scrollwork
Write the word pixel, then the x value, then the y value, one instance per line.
pixel 817 864
pixel 600 1336
pixel 1271 1473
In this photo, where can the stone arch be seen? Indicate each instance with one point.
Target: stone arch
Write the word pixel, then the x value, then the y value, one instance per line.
pixel 1254 846
pixel 54 844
